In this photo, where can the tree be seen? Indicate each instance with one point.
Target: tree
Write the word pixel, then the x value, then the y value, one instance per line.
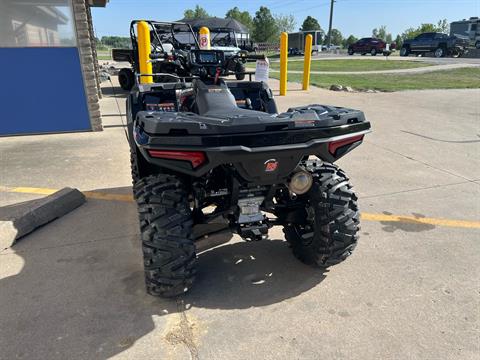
pixel 399 41
pixel 410 33
pixel 442 26
pixel 336 37
pixel 264 26
pixel 285 23
pixel 310 23
pixel 116 41
pixel 349 41
pixel 381 33
pixel 243 17
pixel 197 13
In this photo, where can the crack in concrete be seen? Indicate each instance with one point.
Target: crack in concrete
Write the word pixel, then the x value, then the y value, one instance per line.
pixel 419 189
pixel 183 332
pixel 421 162
pixel 442 140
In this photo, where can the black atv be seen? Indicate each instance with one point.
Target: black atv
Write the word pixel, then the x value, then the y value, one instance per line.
pixel 216 153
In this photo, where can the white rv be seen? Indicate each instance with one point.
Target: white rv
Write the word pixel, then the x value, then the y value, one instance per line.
pixel 296 41
pixel 467 29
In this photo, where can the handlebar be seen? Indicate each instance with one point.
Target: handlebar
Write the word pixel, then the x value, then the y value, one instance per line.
pixel 256 56
pixel 203 63
pixel 158 55
pixel 246 56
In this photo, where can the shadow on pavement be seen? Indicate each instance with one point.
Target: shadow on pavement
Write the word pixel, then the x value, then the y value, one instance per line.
pixel 243 275
pixel 74 288
pixel 406 224
pixel 108 90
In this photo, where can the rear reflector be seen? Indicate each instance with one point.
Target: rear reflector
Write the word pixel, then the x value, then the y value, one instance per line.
pixel 334 145
pixel 196 158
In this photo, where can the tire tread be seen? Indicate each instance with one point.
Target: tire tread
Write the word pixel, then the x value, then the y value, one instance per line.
pixel 336 215
pixel 166 232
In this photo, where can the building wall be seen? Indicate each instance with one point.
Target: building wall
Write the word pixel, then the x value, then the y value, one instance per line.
pixel 93 45
pixel 89 63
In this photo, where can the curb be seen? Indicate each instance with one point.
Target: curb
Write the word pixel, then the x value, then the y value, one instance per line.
pixel 21 219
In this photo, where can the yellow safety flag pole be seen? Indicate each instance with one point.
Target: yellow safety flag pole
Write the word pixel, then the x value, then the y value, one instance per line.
pixel 307 61
pixel 144 49
pixel 283 63
pixel 204 38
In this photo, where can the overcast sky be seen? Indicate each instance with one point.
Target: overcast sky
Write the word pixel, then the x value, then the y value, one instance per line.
pixel 357 17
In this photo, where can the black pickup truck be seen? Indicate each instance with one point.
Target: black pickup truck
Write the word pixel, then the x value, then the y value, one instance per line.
pixel 440 44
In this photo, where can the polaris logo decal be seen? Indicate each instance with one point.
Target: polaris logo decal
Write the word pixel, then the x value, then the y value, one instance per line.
pixel 271 165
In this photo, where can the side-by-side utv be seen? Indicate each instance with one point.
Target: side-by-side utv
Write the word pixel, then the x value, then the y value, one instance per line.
pixel 170 38
pixel 173 41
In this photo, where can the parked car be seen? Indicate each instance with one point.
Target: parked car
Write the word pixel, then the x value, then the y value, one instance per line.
pixel 370 46
pixel 438 43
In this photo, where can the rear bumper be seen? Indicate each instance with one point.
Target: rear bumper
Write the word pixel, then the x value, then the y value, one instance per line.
pixel 249 152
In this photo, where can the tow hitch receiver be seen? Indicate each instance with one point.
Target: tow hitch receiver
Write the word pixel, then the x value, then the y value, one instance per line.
pixel 251 221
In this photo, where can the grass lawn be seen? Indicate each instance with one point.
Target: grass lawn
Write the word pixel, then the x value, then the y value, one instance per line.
pixel 467 78
pixel 104 55
pixel 353 65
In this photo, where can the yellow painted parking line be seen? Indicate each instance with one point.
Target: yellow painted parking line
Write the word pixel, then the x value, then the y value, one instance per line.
pixel 108 196
pixel 365 216
pixel 30 190
pixel 421 220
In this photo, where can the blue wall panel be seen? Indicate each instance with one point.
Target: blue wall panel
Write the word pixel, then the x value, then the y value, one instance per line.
pixel 41 90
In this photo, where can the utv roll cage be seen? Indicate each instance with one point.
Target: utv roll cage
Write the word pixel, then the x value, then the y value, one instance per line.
pixel 227 35
pixel 240 42
pixel 161 33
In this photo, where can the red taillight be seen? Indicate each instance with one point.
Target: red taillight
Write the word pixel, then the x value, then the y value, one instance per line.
pixel 334 145
pixel 196 158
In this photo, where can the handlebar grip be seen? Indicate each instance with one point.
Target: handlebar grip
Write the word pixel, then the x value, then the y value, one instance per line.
pixel 157 55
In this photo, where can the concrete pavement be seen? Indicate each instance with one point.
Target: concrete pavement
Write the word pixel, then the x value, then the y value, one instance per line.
pixel 74 289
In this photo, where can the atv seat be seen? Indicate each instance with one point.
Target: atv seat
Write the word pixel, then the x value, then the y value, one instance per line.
pixel 218 102
pixel 260 96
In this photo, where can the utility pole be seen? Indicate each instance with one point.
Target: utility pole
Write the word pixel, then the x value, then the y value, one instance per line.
pixel 329 36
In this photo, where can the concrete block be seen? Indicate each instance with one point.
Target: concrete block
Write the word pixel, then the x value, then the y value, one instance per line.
pixel 21 219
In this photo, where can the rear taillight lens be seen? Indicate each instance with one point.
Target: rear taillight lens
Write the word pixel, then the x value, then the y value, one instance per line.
pixel 334 145
pixel 196 158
